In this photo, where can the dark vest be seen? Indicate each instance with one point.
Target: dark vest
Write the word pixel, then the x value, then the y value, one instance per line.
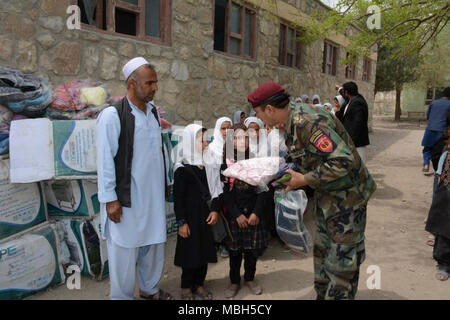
pixel 124 156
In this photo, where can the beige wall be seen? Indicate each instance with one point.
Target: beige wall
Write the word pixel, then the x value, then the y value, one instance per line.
pixel 194 81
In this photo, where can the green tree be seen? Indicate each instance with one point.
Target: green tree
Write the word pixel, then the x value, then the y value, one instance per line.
pixel 406 25
pixel 393 71
pixel 435 70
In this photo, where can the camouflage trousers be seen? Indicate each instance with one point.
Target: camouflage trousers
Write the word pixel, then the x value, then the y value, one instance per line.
pixel 338 251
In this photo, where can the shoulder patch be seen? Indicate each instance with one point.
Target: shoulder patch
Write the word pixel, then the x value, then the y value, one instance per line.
pixel 322 142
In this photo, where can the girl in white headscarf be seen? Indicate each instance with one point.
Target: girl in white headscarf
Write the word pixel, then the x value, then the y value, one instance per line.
pixel 257 137
pixel 196 211
pixel 239 117
pixel 327 106
pixel 213 158
pixel 316 99
pixel 339 102
pixel 215 148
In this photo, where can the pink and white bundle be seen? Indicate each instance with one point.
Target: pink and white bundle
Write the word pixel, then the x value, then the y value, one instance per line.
pixel 256 172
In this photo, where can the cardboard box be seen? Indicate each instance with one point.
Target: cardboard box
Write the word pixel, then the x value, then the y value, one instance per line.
pixel 22 206
pixel 30 263
pixel 86 248
pixel 41 149
pixel 72 198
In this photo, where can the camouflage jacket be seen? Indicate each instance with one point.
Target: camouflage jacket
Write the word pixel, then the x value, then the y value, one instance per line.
pixel 324 152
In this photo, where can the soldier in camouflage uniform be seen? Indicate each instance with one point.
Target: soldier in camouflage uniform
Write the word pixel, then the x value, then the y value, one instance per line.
pixel 329 163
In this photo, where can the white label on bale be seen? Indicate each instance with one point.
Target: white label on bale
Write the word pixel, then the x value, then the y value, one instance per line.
pixel 19 203
pixel 27 264
pixel 79 153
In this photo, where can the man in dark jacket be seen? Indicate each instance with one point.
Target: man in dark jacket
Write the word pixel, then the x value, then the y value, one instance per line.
pixel 436 116
pixel 354 117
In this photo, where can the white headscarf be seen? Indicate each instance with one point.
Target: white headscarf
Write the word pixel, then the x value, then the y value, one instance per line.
pixel 258 148
pixel 254 120
pixel 193 157
pixel 329 105
pixel 188 153
pixel 216 146
pixel 341 100
pixel 237 116
pixel 316 96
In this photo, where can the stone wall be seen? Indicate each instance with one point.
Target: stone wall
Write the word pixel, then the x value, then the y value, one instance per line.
pixel 195 82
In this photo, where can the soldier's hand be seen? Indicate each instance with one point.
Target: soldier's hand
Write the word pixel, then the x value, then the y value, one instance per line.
pixel 242 221
pixel 114 211
pixel 253 220
pixel 297 181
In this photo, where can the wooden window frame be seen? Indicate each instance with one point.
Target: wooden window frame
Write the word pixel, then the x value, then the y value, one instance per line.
pixel 296 53
pixel 228 34
pixel 335 57
pixel 111 5
pixel 367 70
pixel 350 70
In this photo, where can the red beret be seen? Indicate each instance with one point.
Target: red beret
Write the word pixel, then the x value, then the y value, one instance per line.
pixel 264 92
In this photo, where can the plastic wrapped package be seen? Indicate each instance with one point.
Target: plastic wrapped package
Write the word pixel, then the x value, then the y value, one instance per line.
pixel 78 100
pixel 289 210
pixel 24 93
pixel 256 171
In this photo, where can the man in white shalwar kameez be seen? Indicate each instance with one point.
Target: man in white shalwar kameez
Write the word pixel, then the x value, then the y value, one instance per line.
pixel 136 234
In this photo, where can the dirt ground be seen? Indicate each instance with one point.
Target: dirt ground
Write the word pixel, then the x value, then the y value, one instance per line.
pixel 395 237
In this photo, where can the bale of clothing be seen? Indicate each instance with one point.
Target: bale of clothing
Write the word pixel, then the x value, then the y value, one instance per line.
pixel 79 100
pixel 24 94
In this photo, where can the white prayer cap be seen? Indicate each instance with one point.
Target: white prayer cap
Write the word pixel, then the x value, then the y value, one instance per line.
pixel 132 65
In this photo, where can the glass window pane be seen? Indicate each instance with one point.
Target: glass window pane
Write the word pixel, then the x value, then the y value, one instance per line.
pixel 88 10
pixel 219 24
pixel 281 44
pixel 298 54
pixel 290 39
pixel 235 46
pixel 125 22
pixel 235 22
pixel 289 60
pixel 248 34
pixel 153 18
pixel 135 2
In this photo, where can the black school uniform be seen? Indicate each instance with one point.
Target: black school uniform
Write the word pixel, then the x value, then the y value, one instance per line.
pixel 242 198
pixel 195 252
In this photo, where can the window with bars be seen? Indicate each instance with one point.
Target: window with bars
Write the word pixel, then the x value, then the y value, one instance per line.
pixel 234 29
pixel 367 67
pixel 141 19
pixel 350 70
pixel 289 47
pixel 330 58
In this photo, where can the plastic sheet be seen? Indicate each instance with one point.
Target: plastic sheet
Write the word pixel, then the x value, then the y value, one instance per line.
pixel 289 210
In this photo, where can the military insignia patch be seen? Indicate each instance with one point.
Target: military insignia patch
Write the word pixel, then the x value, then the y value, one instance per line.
pixel 322 142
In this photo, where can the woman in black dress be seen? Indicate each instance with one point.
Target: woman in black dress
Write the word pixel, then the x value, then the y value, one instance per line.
pixel 195 213
pixel 244 208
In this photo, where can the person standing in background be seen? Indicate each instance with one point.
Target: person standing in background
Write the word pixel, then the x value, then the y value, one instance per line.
pixel 355 117
pixel 437 122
